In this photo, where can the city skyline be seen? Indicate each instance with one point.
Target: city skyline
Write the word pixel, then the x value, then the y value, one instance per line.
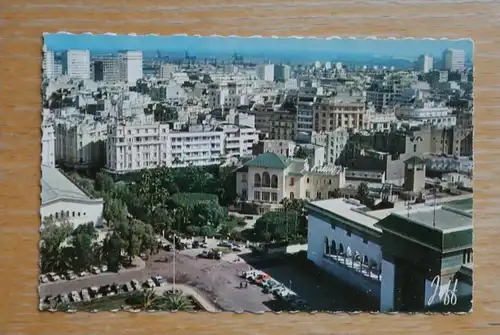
pixel 264 47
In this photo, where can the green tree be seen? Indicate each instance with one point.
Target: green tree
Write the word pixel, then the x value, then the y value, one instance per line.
pixel 114 211
pixel 176 302
pixel 83 240
pixel 277 226
pixel 136 237
pixel 111 249
pixel 54 252
pixel 104 183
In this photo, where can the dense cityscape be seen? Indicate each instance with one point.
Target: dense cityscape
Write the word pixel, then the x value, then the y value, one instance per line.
pixel 233 184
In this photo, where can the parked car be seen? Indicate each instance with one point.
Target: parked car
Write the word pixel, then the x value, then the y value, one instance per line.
pixel 225 244
pixel 85 295
pixel 135 284
pixel 82 273
pixel 104 268
pixel 43 279
pixel 149 283
pixel 168 247
pixel 70 275
pixel 196 244
pixel 52 276
pixel 260 278
pixel 94 292
pixel 64 298
pixel 95 270
pixel 75 297
pixel 128 287
pixel 106 290
pixel 115 287
pixel 159 280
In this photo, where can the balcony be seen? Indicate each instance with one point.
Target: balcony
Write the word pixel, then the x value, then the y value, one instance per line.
pixel 355 264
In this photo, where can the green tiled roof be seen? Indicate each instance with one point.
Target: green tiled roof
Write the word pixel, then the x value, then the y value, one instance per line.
pixel 270 160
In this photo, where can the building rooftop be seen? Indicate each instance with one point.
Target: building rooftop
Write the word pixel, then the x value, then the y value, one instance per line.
pixel 55 185
pixel 347 209
pixel 270 160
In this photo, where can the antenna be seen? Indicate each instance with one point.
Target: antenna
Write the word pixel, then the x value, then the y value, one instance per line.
pixel 434 192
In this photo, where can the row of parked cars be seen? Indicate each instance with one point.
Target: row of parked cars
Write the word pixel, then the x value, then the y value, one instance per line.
pixel 94 292
pixel 70 274
pixel 272 286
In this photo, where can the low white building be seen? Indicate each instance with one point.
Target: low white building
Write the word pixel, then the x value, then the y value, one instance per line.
pixel 63 200
pixel 409 258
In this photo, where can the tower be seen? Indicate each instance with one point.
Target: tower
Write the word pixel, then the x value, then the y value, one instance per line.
pixel 414 174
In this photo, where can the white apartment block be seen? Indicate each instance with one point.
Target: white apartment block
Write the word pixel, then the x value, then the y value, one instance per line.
pixel 427 113
pixel 454 60
pixel 238 140
pixel 80 141
pixel 140 144
pixel 425 63
pixel 48 63
pixel 265 72
pixel 77 63
pixel 48 144
pixel 130 63
pixel 137 144
pixel 166 71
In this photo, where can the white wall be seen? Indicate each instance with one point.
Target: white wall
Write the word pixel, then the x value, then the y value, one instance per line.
pixel 318 230
pixel 387 287
pixel 91 211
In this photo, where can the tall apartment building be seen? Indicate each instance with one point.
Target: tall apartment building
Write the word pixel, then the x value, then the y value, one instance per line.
pixel 80 141
pixel 130 63
pixel 425 63
pixel 454 60
pixel 305 113
pixel 48 63
pixel 76 64
pixel 48 144
pixel 213 97
pixel 106 69
pixel 332 113
pixel 166 71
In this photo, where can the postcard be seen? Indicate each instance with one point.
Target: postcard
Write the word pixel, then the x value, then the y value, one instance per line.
pixel 237 174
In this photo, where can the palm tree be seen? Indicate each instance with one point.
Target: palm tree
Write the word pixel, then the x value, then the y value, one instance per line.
pixel 146 299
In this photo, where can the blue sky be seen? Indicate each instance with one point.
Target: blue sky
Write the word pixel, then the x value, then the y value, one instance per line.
pixel 404 48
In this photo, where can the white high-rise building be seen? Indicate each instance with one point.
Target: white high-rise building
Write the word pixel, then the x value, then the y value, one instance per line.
pixel 77 64
pixel 48 63
pixel 425 63
pixel 48 144
pixel 454 60
pixel 130 66
pixel 265 72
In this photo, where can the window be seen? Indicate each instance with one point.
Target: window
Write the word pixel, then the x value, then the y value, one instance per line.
pixel 365 241
pixel 292 181
pixel 308 195
pixel 318 195
pixel 78 213
pixel 274 197
pixel 244 177
pixel 292 196
pixel 274 181
pixel 307 180
pixel 266 179
pixel 265 196
pixel 256 195
pixel 348 233
pixel 257 180
pixel 244 194
pixel 414 148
